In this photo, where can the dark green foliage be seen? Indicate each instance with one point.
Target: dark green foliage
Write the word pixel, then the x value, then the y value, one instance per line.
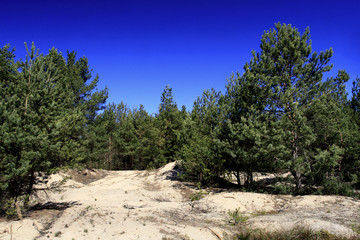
pixel 352 151
pixel 280 115
pixel 169 121
pixel 100 137
pixel 198 154
pixel 247 136
pixel 201 160
pixel 46 103
pixel 334 185
pixel 291 74
pixel 122 138
pixel 355 100
pixel 145 143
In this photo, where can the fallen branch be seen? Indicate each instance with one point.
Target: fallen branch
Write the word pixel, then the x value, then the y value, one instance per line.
pixel 217 235
pixel 132 207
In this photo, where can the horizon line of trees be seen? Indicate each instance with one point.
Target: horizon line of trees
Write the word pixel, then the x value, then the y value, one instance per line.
pixel 279 116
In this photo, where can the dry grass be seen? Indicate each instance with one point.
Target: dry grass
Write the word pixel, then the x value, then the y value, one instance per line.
pixel 294 234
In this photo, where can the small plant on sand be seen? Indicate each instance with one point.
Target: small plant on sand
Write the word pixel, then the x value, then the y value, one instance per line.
pixel 356 228
pixel 199 194
pixel 85 210
pixel 15 207
pixel 196 197
pixel 57 234
pixel 236 217
pixel 10 208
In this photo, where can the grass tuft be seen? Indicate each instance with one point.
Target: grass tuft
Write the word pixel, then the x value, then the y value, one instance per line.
pixel 294 234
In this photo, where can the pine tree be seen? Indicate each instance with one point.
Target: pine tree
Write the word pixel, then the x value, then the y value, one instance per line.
pixel 291 74
pixel 201 160
pixel 353 147
pixel 147 149
pixel 170 123
pixel 45 106
pixel 197 154
pixel 100 138
pixel 245 135
pixel 329 117
pixel 355 100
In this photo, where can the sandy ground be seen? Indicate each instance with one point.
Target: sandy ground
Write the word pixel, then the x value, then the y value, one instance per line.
pixel 154 205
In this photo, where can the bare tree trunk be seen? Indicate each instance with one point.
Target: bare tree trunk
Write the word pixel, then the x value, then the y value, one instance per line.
pixel 238 177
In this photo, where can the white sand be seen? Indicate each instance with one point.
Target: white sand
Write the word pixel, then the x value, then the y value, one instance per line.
pixel 149 205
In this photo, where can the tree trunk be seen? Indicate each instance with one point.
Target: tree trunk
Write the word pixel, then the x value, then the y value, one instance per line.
pixel 295 155
pixel 200 177
pixel 237 174
pixel 110 152
pixel 250 177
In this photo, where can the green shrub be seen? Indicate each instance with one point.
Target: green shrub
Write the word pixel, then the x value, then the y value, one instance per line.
pixel 199 194
pixel 14 207
pixel 10 208
pixel 335 186
pixel 283 189
pixel 235 217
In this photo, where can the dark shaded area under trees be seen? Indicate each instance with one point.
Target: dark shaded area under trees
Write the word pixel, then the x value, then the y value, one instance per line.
pixel 279 116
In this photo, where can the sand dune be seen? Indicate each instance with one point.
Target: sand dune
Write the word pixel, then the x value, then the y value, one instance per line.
pixel 152 205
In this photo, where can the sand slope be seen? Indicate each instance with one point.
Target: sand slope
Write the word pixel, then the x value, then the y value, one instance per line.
pixel 152 205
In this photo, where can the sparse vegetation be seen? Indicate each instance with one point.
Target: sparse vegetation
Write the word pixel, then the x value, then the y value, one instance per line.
pixel 85 210
pixel 236 217
pixel 198 195
pixel 294 234
pixel 194 200
pixel 356 228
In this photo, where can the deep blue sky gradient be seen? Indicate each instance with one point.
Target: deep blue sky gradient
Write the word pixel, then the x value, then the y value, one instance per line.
pixel 137 47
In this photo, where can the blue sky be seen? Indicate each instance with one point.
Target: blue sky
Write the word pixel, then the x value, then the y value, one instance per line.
pixel 139 47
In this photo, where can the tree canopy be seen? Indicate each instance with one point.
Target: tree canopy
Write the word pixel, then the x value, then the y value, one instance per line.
pixel 47 102
pixel 279 115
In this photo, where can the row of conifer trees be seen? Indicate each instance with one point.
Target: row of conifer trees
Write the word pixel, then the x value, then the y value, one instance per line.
pixel 280 115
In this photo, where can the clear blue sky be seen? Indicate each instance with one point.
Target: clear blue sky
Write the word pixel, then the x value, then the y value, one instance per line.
pixel 139 47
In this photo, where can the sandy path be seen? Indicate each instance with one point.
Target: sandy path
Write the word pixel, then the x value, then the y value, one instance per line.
pixel 149 205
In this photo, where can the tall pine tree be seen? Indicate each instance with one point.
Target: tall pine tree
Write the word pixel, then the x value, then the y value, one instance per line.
pixel 46 104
